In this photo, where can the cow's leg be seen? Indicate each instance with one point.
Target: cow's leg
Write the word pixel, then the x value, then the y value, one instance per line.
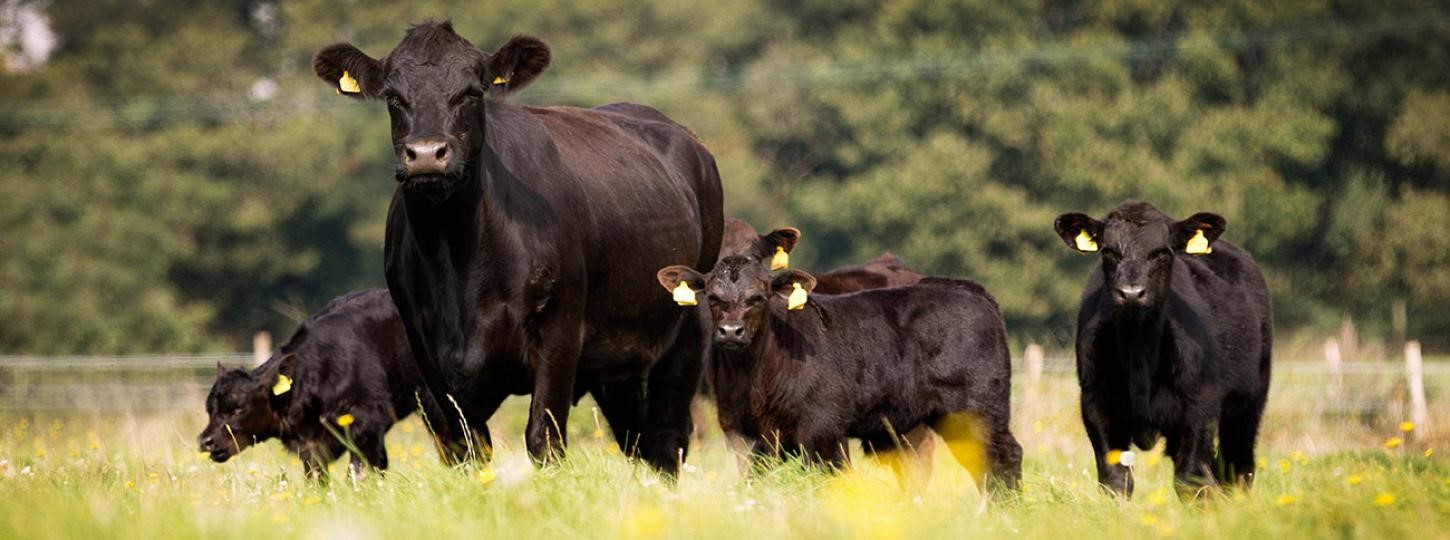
pixel 672 384
pixel 1238 430
pixel 622 405
pixel 827 452
pixel 556 362
pixel 314 464
pixel 1107 436
pixel 1004 457
pixel 909 457
pixel 1193 461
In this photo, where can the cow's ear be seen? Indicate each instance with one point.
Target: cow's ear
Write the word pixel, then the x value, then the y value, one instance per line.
pixel 784 238
pixel 516 64
pixel 1197 234
pixel 279 379
pixel 683 282
pixel 1079 231
pixel 784 283
pixel 350 71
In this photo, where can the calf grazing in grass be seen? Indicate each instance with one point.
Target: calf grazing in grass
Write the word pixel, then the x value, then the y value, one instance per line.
pixel 345 373
pixel 868 366
pixel 1173 339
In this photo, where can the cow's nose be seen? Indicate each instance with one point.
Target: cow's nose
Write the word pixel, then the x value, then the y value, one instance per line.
pixel 730 331
pixel 206 443
pixel 1132 294
pixel 425 157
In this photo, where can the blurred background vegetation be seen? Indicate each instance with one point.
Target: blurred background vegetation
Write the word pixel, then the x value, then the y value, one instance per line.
pixel 173 177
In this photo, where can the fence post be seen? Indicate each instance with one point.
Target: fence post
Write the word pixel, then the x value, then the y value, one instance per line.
pixel 1415 370
pixel 1033 359
pixel 261 347
pixel 1333 363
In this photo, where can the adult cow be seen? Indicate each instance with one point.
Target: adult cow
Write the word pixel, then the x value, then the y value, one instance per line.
pixel 521 241
pixel 1173 338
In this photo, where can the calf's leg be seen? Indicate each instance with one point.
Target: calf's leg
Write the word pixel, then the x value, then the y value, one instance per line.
pixel 1107 436
pixel 1238 429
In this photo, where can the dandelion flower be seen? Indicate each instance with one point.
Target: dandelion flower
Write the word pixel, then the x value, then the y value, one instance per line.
pixel 1429 452
pixel 1284 466
pixel 1407 426
pixel 1385 498
pixel 1354 479
pixel 486 475
pixel 1394 442
pixel 1285 500
pixel 345 420
pixel 1159 497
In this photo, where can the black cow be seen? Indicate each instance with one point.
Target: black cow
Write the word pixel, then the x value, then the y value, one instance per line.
pixel 521 240
pixel 348 361
pixel 870 365
pixel 1174 339
pixel 888 270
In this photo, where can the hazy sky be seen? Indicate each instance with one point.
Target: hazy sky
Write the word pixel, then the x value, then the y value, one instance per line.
pixel 25 35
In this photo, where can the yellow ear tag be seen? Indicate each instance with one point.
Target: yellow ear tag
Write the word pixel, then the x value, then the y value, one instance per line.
pixel 684 295
pixel 779 261
pixel 1198 245
pixel 284 385
pixel 1085 242
pixel 347 84
pixel 797 298
pixel 500 80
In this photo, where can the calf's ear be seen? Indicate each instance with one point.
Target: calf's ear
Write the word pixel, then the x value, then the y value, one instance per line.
pixel 516 64
pixel 1197 234
pixel 784 283
pixel 277 380
pixel 784 238
pixel 1079 231
pixel 683 282
pixel 350 71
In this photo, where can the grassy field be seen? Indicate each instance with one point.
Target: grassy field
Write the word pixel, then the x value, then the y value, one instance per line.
pixel 138 475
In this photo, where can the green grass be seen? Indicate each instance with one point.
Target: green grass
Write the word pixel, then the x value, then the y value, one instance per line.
pixel 139 476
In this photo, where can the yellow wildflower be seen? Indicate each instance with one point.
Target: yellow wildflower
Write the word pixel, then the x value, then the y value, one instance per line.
pixel 1159 497
pixel 1284 466
pixel 486 475
pixel 1429 452
pixel 647 522
pixel 1394 442
pixel 345 420
pixel 1299 457
pixel 1148 519
pixel 1385 498
pixel 130 484
pixel 311 500
pixel 1354 479
pixel 1407 426
pixel 598 433
pixel 1285 500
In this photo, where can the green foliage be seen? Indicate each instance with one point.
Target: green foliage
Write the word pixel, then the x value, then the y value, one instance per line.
pixel 148 202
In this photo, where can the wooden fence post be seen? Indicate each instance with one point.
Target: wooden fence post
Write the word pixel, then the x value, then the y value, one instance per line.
pixel 1333 363
pixel 1415 370
pixel 1033 359
pixel 261 347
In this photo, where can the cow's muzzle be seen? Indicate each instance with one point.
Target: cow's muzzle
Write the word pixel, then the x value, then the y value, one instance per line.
pixel 425 158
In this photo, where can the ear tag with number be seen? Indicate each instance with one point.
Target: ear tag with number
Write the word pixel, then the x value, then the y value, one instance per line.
pixel 284 385
pixel 779 261
pixel 797 298
pixel 1198 245
pixel 348 85
pixel 1085 242
pixel 684 295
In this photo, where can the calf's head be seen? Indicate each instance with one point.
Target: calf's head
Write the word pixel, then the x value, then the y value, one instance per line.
pixel 436 85
pixel 1138 244
pixel 741 294
pixel 740 239
pixel 242 408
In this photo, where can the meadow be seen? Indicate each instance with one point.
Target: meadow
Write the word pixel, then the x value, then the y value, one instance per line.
pixel 1328 468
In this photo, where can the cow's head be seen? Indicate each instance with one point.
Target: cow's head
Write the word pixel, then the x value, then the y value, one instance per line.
pixel 1138 244
pixel 242 408
pixel 436 85
pixel 740 239
pixel 742 296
